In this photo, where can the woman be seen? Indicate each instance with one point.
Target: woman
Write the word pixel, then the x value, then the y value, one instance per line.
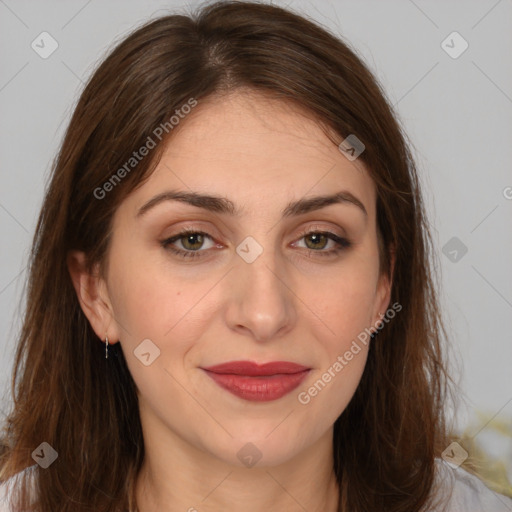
pixel 235 213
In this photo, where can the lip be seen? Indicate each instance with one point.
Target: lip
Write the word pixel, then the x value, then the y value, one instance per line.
pixel 258 383
pixel 251 369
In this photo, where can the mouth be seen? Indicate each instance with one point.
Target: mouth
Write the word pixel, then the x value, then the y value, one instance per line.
pixel 258 383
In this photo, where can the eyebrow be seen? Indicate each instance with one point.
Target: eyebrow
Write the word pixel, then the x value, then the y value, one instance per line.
pixel 223 205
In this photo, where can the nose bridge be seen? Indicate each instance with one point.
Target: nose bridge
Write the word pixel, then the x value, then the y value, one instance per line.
pixel 260 267
pixel 261 301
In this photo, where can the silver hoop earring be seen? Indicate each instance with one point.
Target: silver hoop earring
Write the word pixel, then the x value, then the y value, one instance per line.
pixel 106 347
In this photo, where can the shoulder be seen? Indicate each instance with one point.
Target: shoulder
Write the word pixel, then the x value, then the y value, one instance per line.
pixel 7 487
pixel 460 491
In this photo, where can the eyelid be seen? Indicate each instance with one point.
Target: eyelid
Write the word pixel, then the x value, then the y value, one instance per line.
pixel 318 228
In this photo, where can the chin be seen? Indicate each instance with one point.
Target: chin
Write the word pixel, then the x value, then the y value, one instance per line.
pixel 265 447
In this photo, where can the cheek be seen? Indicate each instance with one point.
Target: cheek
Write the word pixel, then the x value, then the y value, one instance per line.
pixel 336 386
pixel 334 382
pixel 346 307
pixel 344 302
pixel 151 302
pixel 155 305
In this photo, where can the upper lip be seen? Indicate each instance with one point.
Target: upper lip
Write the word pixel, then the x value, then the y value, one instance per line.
pixel 252 369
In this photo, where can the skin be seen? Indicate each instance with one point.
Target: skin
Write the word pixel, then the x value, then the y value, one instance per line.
pixel 290 304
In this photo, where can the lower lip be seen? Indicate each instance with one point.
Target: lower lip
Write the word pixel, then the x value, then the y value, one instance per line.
pixel 259 389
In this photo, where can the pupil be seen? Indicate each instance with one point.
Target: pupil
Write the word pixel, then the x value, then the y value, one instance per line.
pixel 190 239
pixel 315 238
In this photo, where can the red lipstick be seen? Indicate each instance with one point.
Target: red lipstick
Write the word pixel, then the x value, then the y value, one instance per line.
pixel 258 383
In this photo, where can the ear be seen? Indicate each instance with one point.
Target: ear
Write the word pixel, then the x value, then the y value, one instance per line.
pixel 383 294
pixel 92 294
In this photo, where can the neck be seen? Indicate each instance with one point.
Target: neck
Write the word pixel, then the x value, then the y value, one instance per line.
pixel 178 477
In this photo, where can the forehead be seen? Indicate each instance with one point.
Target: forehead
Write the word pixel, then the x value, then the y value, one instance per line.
pixel 257 151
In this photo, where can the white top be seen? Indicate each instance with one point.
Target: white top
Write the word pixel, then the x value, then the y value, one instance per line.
pixel 468 493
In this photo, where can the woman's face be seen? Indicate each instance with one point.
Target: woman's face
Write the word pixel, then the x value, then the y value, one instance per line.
pixel 259 288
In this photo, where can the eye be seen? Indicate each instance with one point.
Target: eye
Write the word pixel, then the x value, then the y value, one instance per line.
pixel 316 241
pixel 191 240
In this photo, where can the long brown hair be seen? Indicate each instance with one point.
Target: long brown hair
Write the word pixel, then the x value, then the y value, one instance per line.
pixel 67 394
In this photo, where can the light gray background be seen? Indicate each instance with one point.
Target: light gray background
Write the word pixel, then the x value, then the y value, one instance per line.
pixel 457 112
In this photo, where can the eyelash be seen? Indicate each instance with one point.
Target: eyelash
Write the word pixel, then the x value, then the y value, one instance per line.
pixel 342 243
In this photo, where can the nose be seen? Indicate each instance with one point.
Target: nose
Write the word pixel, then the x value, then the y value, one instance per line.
pixel 262 302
